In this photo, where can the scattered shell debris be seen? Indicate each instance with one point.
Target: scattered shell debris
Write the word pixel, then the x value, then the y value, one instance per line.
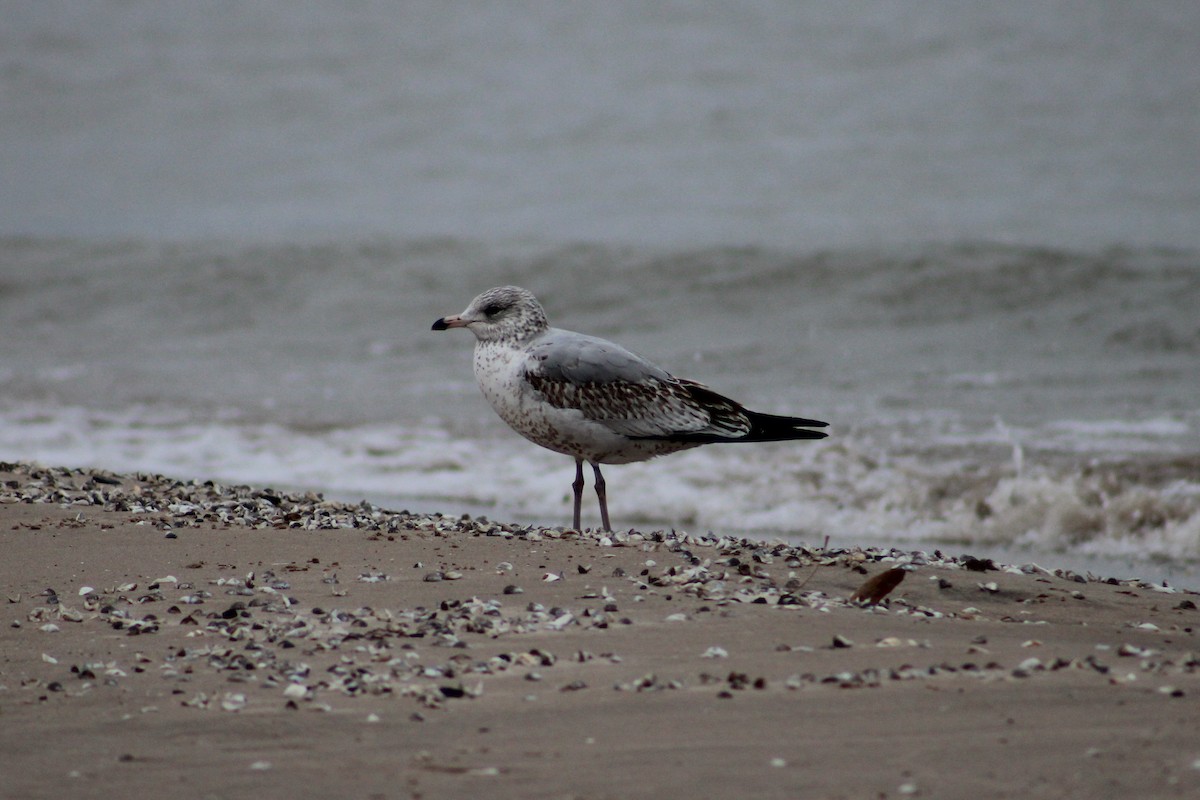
pixel 254 631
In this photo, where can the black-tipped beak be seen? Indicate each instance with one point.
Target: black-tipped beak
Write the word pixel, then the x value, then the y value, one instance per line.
pixel 446 323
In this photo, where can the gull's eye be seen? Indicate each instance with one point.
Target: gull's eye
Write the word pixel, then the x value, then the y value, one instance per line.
pixel 492 309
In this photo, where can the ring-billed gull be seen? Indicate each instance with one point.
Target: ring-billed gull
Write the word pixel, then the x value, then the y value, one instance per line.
pixel 593 400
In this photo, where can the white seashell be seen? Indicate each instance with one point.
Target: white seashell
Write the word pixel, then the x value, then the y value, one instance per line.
pixel 1134 650
pixel 715 652
pixel 295 691
pixel 49 659
pixel 896 641
pixel 233 702
pixel 561 622
pixel 86 590
pixel 199 701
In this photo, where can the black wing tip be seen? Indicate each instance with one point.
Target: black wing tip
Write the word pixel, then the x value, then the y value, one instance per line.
pixel 780 436
pixel 714 438
pixel 773 428
pixel 764 428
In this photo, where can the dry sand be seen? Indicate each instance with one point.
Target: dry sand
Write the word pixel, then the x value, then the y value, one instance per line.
pixel 188 640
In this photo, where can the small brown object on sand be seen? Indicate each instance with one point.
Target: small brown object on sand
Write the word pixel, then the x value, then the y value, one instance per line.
pixel 878 587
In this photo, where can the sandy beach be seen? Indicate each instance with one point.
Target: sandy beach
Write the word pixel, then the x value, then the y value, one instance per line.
pixel 200 640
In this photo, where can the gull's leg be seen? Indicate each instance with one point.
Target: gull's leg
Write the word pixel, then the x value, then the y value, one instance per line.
pixel 601 496
pixel 578 487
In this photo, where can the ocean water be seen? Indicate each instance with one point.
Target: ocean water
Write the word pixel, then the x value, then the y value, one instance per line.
pixel 966 235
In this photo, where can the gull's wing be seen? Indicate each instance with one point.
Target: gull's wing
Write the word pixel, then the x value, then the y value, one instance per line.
pixel 633 397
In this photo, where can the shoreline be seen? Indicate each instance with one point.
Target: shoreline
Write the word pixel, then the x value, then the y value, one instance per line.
pixel 174 633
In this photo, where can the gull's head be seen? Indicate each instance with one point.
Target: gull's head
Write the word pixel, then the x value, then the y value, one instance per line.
pixel 506 312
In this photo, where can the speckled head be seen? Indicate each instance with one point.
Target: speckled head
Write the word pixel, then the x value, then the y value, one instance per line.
pixel 502 313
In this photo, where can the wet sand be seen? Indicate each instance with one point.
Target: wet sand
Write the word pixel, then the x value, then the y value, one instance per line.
pixel 210 641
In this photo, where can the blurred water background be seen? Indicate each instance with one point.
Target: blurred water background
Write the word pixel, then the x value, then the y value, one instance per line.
pixel 968 235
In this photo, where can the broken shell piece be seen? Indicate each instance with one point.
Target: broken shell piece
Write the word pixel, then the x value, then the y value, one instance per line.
pixel 1127 650
pixel 233 702
pixel 560 622
pixel 895 641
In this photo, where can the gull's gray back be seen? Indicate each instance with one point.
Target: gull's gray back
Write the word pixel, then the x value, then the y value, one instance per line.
pixel 577 358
